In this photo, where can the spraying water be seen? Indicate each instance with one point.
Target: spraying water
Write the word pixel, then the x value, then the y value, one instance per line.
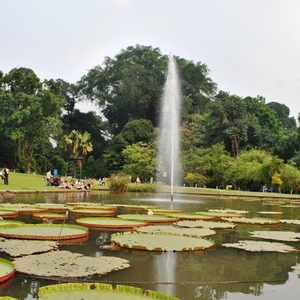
pixel 169 167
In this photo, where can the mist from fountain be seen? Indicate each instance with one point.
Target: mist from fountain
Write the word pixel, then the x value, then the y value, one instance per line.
pixel 169 165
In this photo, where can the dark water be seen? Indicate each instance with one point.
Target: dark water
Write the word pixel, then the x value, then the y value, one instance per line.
pixel 221 273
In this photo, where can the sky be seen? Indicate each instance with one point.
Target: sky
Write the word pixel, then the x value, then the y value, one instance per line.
pixel 251 47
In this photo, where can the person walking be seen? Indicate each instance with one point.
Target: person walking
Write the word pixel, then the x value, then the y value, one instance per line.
pixel 48 178
pixel 5 174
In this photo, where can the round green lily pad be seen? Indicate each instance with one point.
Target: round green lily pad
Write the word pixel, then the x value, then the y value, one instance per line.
pixel 277 235
pixel 53 207
pixel 217 214
pixel 206 224
pixel 193 232
pixel 50 216
pixel 93 212
pixel 23 208
pixel 160 242
pixel 231 211
pixel 5 213
pixel 185 216
pixel 7 269
pixel 256 221
pixel 109 223
pixel 7 298
pixel 92 291
pixel 148 218
pixel 10 222
pixel 44 232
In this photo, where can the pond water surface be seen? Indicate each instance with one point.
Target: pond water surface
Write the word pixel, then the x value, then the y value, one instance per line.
pixel 220 273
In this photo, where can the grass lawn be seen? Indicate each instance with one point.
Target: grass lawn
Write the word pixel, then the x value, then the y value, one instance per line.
pixel 29 182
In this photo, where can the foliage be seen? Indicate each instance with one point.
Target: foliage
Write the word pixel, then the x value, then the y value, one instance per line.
pixel 142 188
pixel 277 181
pixel 139 160
pixel 190 178
pixel 119 183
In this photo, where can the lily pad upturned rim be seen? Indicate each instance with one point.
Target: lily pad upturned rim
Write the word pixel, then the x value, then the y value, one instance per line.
pixel 109 223
pixel 6 213
pixel 109 290
pixel 93 212
pixel 5 275
pixel 147 218
pixel 82 232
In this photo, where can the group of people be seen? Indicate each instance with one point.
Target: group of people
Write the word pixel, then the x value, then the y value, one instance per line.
pixel 55 180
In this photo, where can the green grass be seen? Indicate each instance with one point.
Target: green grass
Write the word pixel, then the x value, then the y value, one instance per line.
pixel 29 182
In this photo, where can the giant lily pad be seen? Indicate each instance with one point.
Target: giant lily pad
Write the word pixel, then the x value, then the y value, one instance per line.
pixel 217 214
pixel 206 224
pixel 277 235
pixel 256 246
pixel 93 212
pixel 91 291
pixel 296 222
pixel 254 221
pixel 7 298
pixel 23 208
pixel 50 216
pixel 68 265
pixel 194 232
pixel 44 232
pixel 10 222
pixel 53 207
pixel 159 242
pixel 191 216
pixel 26 247
pixel 110 223
pixel 147 218
pixel 230 211
pixel 270 212
pixel 7 269
pixel 6 213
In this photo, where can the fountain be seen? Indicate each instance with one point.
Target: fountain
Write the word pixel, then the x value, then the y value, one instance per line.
pixel 169 168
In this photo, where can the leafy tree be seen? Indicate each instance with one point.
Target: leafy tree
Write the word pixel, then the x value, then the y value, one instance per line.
pixel 139 161
pixel 277 181
pixel 227 122
pixel 77 145
pixel 28 115
pixel 128 87
pixel 291 179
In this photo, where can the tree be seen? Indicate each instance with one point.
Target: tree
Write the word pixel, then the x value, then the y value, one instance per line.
pixel 78 145
pixel 29 115
pixel 139 161
pixel 227 122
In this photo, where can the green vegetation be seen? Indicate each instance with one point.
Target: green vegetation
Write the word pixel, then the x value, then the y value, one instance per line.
pixel 225 139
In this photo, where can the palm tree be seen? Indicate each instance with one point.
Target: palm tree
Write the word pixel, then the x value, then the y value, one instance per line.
pixel 79 145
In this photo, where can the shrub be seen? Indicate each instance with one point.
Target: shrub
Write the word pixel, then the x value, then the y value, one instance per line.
pixel 119 183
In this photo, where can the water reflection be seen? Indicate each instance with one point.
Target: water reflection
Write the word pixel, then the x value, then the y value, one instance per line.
pixel 220 273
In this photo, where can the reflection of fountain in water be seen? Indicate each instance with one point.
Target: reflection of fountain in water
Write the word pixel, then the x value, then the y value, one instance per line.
pixel 168 144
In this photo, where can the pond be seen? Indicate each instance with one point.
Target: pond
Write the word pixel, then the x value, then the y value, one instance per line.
pixel 218 273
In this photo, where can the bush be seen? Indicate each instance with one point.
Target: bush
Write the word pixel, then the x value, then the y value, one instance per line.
pixel 142 188
pixel 119 183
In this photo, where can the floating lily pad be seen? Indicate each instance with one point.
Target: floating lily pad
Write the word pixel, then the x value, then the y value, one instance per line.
pixel 296 222
pixel 50 216
pixel 68 265
pixel 185 216
pixel 93 212
pixel 296 269
pixel 7 269
pixel 110 223
pixel 220 214
pixel 206 224
pixel 193 232
pixel 53 207
pixel 10 222
pixel 165 211
pixel 91 291
pixel 26 247
pixel 270 212
pixel 5 213
pixel 254 221
pixel 147 218
pixel 230 211
pixel 256 246
pixel 23 208
pixel 7 298
pixel 277 235
pixel 44 232
pixel 159 242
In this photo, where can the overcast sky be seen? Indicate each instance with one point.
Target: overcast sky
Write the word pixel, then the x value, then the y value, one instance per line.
pixel 252 47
